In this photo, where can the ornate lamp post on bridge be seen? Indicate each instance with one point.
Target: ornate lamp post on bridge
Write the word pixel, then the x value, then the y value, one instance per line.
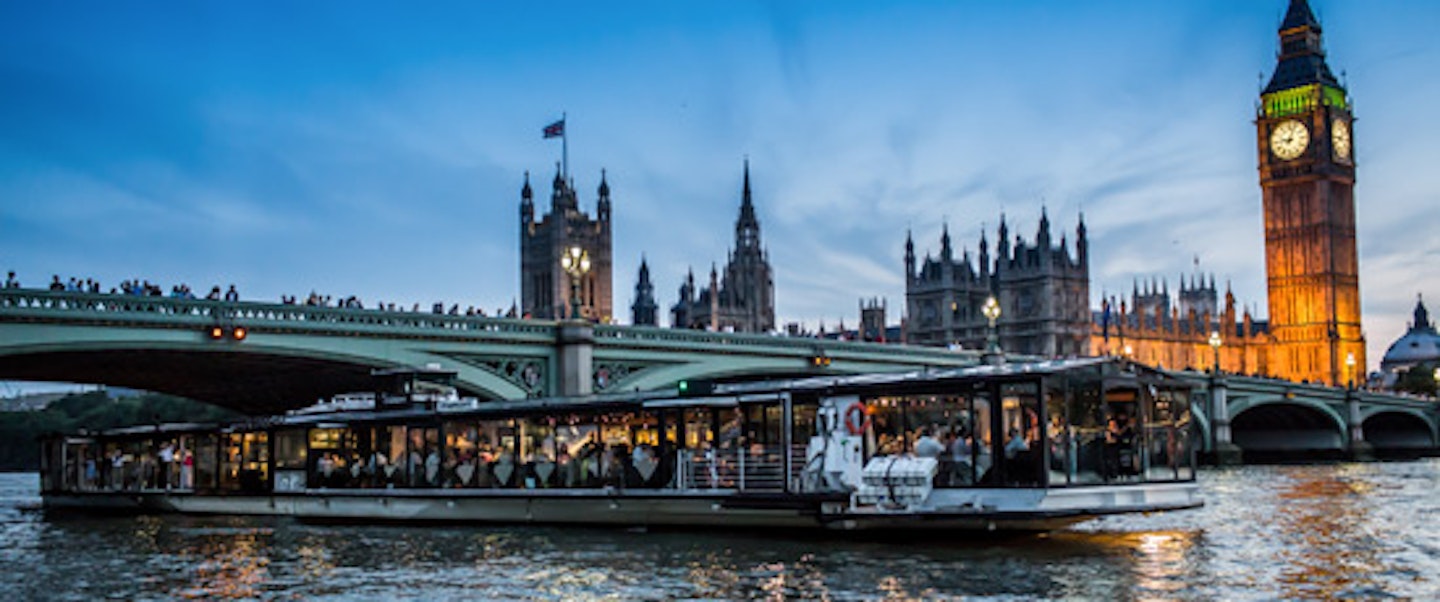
pixel 1350 370
pixel 576 262
pixel 1215 343
pixel 993 355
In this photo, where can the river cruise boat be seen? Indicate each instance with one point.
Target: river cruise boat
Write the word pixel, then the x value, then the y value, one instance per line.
pixel 1019 446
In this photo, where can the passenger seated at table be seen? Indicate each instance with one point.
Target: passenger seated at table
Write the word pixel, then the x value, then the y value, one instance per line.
pixel 612 468
pixel 645 464
pixel 504 470
pixel 927 446
pixel 567 470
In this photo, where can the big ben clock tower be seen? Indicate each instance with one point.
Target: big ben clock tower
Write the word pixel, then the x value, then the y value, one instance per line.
pixel 1307 176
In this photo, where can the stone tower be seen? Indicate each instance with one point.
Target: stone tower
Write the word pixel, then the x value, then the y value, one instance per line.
pixel 1304 138
pixel 545 287
pixel 644 310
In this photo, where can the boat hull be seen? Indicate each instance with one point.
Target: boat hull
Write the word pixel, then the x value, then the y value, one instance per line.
pixel 983 510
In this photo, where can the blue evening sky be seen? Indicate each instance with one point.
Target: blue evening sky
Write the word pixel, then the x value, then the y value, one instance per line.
pixel 378 149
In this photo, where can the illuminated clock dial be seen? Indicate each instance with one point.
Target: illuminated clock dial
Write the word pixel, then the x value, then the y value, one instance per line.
pixel 1289 139
pixel 1340 139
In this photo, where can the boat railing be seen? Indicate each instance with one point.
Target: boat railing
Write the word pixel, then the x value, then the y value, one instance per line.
pixel 757 467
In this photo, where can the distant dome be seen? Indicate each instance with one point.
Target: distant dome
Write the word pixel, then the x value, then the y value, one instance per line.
pixel 1413 348
pixel 1419 345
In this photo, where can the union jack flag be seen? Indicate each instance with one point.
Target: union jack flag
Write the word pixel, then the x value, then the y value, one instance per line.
pixel 555 130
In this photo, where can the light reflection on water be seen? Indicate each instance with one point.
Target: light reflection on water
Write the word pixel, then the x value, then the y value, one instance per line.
pixel 1301 532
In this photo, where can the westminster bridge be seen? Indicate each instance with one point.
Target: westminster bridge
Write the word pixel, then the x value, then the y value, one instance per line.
pixel 262 358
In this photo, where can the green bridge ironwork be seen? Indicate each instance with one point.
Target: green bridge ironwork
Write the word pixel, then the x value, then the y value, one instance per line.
pixel 291 355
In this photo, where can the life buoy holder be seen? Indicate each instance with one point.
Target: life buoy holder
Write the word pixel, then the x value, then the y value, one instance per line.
pixel 857 421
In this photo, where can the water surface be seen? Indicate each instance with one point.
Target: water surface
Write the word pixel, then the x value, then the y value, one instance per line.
pixel 1267 532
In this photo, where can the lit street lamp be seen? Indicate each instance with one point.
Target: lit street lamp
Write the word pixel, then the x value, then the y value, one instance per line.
pixel 991 311
pixel 1350 369
pixel 576 263
pixel 1215 343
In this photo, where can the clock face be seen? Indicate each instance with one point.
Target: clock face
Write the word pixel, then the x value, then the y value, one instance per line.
pixel 1289 139
pixel 1340 139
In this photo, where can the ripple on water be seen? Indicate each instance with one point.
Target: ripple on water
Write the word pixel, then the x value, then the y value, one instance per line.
pixel 1266 532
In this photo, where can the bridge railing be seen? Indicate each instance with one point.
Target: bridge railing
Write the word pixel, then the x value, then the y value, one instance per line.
pixel 35 304
pixel 632 335
pixel 44 304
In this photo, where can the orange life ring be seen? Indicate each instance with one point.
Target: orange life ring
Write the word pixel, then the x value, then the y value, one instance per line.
pixel 857 421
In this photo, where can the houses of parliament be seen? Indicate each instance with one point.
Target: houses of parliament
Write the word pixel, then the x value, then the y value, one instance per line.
pixel 1304 139
pixel 1306 162
pixel 741 298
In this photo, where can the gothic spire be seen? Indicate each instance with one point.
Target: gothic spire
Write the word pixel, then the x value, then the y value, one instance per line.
pixel 745 193
pixel 1299 15
pixel 525 192
pixel 747 228
pixel 945 251
pixel 1422 316
pixel 1302 56
pixel 909 254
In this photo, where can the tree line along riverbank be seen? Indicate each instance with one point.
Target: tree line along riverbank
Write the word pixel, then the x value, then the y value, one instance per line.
pixel 93 410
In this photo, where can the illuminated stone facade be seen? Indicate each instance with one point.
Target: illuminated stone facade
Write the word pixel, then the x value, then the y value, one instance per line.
pixel 1307 175
pixel 1307 178
pixel 1155 329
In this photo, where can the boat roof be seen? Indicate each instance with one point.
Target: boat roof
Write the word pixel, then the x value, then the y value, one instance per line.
pixel 1005 371
pixel 722 395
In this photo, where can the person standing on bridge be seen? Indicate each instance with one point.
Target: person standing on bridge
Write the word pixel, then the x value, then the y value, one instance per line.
pixel 232 294
pixel 10 281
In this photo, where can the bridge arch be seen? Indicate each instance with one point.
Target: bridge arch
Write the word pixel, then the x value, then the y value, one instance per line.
pixel 1200 414
pixel 1399 431
pixel 248 378
pixel 1288 426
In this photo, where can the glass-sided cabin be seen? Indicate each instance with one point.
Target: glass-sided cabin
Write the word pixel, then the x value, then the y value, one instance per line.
pixel 1070 423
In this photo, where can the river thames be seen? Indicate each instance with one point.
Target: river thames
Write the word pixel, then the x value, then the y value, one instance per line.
pixel 1266 532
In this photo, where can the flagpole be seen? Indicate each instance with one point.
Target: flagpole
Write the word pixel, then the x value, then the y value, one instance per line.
pixel 564 148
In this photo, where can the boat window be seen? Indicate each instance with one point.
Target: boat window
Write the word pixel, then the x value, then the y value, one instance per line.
pixel 1059 442
pixel 887 429
pixel 1086 418
pixel 207 455
pixel 329 460
pixel 1166 430
pixel 537 453
pixel 698 434
pixel 1020 422
pixel 70 464
pixel 379 451
pixel 1123 436
pixel 575 446
pixel 245 465
pixel 422 458
pixel 290 449
pixel 1184 432
pixel 982 440
pixel 763 423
